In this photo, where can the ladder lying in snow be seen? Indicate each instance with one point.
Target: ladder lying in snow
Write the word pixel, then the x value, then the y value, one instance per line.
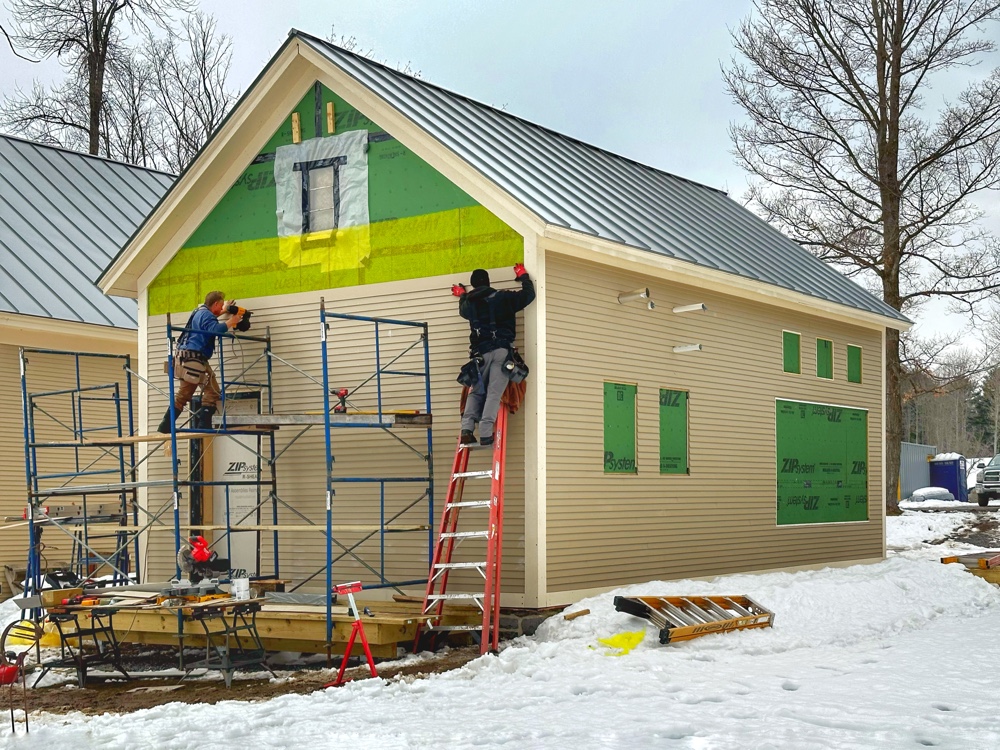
pixel 681 618
pixel 985 564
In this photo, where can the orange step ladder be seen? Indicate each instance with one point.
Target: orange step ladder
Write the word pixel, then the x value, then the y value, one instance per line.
pixel 450 537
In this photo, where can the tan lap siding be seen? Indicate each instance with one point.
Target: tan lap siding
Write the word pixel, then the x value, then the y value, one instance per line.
pixel 608 530
pixel 295 332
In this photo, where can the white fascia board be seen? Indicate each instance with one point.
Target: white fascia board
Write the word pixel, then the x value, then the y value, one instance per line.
pixel 65 335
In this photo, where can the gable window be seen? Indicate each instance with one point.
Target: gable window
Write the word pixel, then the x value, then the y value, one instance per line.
pixel 853 364
pixel 791 347
pixel 320 193
pixel 824 359
pixel 619 429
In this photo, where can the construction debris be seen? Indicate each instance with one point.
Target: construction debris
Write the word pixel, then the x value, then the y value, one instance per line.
pixel 681 618
pixel 985 564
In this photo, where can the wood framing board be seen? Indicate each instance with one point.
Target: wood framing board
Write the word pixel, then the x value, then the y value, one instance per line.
pixel 991 574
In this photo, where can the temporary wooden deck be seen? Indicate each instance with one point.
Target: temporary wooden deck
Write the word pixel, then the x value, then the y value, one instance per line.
pixel 295 627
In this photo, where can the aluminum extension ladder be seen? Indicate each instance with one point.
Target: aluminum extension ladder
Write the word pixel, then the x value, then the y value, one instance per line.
pixel 489 515
pixel 681 618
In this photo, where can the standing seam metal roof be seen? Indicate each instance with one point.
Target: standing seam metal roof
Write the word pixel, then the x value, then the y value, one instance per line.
pixel 63 216
pixel 571 184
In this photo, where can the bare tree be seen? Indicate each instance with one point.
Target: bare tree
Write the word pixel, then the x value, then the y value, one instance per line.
pixel 87 37
pixel 852 167
pixel 189 88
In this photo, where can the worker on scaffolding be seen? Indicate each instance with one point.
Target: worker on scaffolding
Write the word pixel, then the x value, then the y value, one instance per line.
pixel 493 327
pixel 195 348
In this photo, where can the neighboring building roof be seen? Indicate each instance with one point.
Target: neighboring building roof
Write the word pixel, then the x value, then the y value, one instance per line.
pixel 571 184
pixel 63 216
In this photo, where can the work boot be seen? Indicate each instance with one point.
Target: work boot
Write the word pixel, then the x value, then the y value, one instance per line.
pixel 165 423
pixel 203 418
pixel 467 437
pixel 486 441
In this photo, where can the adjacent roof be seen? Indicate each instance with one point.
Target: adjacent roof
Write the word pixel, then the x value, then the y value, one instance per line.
pixel 63 217
pixel 572 184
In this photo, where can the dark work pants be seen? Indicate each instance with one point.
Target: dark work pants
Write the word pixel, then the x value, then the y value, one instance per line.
pixel 483 403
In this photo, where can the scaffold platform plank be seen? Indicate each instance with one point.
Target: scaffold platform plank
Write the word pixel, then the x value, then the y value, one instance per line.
pixel 161 437
pixel 358 419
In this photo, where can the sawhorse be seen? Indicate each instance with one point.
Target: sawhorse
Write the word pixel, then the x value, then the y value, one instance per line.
pixel 356 628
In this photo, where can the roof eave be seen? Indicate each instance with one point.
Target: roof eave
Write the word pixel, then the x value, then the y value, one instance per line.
pixel 29 330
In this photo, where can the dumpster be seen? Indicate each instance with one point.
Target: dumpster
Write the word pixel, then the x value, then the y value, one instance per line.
pixel 948 470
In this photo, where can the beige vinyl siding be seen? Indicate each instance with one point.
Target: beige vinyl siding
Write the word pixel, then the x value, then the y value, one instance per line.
pixel 47 372
pixel 295 332
pixel 607 530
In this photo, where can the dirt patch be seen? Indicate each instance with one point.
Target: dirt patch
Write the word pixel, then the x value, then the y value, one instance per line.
pixel 128 696
pixel 983 532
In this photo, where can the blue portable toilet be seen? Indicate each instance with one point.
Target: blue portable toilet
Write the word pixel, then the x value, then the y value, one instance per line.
pixel 951 474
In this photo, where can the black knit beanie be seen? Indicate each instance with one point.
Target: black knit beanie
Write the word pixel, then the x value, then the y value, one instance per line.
pixel 480 278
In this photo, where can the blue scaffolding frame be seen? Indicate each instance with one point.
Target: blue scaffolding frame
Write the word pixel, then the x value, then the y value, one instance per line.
pixel 330 419
pixel 89 445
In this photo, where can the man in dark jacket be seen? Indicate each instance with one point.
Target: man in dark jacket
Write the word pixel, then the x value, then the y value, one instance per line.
pixel 198 344
pixel 491 315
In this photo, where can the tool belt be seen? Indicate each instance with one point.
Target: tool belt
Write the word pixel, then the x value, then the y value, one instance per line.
pixel 469 375
pixel 514 367
pixel 191 367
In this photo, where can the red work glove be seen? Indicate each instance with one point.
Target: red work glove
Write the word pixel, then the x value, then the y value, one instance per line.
pixel 458 290
pixel 519 271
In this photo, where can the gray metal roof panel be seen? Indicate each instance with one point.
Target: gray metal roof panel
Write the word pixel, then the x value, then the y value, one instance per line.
pixel 63 216
pixel 568 183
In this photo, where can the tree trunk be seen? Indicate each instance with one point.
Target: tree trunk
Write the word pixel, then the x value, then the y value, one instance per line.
pixel 95 82
pixel 893 421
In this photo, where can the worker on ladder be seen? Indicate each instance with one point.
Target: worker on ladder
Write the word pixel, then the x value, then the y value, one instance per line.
pixel 491 315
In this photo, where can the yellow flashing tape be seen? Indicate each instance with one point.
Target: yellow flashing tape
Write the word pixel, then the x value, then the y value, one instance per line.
pixel 455 241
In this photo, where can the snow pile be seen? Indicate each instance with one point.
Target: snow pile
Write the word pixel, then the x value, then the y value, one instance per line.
pixel 912 531
pixel 930 493
pixel 947 457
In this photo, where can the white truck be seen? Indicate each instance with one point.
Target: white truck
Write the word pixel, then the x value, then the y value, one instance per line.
pixel 988 481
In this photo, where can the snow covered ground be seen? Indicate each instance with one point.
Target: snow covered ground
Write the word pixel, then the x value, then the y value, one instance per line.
pixel 898 654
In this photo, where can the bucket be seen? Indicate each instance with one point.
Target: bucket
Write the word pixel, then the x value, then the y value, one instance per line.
pixel 240 588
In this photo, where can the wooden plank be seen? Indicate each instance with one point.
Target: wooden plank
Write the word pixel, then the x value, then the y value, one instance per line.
pixel 988 574
pixel 357 419
pixel 309 527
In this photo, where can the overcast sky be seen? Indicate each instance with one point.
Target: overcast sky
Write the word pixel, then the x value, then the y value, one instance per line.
pixel 640 78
